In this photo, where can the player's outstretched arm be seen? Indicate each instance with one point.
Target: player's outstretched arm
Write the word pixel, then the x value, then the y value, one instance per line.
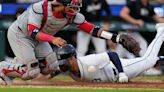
pixel 127 41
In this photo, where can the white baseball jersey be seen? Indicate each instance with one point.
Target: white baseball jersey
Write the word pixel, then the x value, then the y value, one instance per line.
pixel 99 68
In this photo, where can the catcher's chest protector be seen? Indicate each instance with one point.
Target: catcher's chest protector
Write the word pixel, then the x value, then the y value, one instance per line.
pixel 51 24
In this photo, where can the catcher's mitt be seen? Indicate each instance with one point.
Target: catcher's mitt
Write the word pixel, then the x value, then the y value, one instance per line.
pixel 130 44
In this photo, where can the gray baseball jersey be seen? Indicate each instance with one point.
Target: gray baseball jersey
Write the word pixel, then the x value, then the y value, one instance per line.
pixel 24 47
pixel 34 16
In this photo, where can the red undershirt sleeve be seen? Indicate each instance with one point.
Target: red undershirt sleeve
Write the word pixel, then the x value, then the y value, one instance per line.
pixel 35 34
pixel 86 27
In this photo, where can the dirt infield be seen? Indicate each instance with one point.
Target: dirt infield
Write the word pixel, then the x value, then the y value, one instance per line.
pixel 159 84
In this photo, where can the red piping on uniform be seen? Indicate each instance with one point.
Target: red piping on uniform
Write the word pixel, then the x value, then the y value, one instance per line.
pixel 45 13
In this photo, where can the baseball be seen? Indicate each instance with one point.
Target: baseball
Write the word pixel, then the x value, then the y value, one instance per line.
pixel 91 69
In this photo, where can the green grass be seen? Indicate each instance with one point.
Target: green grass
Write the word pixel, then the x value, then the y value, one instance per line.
pixel 76 90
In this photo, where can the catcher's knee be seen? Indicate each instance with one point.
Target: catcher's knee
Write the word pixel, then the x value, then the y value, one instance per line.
pixel 49 64
pixel 26 71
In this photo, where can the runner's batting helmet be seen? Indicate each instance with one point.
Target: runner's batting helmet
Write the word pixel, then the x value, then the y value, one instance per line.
pixel 63 54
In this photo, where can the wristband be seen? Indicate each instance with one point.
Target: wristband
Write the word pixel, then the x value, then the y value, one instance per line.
pixel 109 36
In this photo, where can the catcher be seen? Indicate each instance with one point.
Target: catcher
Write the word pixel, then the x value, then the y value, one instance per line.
pixel 30 35
pixel 105 67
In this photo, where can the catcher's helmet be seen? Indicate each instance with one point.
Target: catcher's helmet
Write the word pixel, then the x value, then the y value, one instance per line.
pixel 64 2
pixel 73 5
pixel 63 54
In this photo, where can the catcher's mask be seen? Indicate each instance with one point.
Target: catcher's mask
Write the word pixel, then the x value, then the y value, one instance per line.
pixel 63 54
pixel 72 6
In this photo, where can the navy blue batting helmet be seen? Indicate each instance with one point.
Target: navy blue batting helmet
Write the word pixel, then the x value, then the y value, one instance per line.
pixel 63 54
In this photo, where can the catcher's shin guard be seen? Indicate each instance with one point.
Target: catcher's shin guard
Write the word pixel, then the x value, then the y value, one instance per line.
pixel 32 70
pixel 49 64
pixel 23 71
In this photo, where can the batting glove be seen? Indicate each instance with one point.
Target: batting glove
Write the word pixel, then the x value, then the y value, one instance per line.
pixel 122 78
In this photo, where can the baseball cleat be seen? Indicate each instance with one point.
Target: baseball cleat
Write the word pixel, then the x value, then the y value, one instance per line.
pixel 160 60
pixel 5 80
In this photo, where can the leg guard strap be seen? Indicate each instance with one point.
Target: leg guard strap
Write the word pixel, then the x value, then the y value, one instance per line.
pixel 49 64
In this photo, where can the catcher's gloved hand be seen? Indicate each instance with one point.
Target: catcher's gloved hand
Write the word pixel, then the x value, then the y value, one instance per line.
pixel 122 78
pixel 130 44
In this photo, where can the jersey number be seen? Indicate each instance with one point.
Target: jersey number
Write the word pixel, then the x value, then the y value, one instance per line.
pixel 96 80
